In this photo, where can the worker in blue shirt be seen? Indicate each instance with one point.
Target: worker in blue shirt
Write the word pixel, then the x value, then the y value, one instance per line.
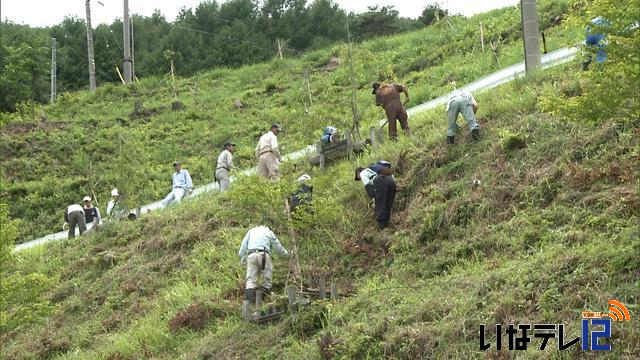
pixel 595 41
pixel 255 250
pixel 181 185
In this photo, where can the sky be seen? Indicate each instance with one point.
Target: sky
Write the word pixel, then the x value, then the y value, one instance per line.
pixel 51 12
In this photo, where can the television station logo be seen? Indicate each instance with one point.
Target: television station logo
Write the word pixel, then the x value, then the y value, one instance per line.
pixel 596 326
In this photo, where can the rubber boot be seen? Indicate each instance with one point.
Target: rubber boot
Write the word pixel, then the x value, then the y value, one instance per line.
pixel 475 134
pixel 250 295
pixel 450 140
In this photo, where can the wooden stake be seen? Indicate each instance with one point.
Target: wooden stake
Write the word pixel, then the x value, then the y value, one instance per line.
pixel 294 247
pixel 322 288
pixel 291 299
pixel 120 75
pixel 494 48
pixel 306 78
pixel 481 37
pixel 334 291
pixel 373 138
pixel 246 310
pixel 279 48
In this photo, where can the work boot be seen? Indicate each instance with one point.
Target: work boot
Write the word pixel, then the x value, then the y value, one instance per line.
pixel 475 134
pixel 450 140
pixel 265 291
pixel 250 295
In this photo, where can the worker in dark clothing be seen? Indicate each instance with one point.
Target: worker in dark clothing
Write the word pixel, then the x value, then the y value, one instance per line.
pixel 303 195
pixel 388 96
pixel 74 215
pixel 385 194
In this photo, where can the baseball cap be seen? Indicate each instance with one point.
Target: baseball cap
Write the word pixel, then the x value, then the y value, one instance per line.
pixel 86 198
pixel 304 177
pixel 114 192
pixel 276 126
pixel 228 143
pixel 176 163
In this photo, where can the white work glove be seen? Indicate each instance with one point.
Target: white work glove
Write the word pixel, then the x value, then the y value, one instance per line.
pixel 65 226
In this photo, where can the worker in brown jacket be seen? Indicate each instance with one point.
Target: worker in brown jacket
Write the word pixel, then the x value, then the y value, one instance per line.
pixel 388 96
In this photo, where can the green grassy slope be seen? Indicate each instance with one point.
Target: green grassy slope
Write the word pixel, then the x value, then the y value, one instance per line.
pixel 550 231
pixel 90 143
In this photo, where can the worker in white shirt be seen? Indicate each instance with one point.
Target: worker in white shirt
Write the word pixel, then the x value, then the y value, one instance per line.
pixel 181 185
pixel 255 250
pixel 224 165
pixel 115 209
pixel 268 154
pixel 367 176
pixel 462 102
pixel 74 215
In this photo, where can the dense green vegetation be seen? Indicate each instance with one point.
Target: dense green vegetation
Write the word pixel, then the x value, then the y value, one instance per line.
pixel 533 224
pixel 90 143
pixel 550 231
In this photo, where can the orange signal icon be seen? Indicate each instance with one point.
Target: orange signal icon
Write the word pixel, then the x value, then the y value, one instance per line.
pixel 619 312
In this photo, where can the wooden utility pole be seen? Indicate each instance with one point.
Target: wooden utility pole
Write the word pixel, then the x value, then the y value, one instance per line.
pixel 126 62
pixel 92 62
pixel 354 102
pixel 133 55
pixel 53 70
pixel 530 29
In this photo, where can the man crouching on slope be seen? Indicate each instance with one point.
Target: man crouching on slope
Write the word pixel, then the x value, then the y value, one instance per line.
pixel 255 250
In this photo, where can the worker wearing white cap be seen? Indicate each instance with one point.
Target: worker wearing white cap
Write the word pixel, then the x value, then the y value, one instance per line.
pixel 91 213
pixel 114 207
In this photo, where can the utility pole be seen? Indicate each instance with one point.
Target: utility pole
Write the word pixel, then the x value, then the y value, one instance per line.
pixel 133 55
pixel 92 62
pixel 126 62
pixel 53 70
pixel 530 29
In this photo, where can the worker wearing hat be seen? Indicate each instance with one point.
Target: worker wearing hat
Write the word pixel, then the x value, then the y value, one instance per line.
pixel 268 154
pixel 115 210
pixel 388 96
pixel 303 195
pixel 91 213
pixel 181 184
pixel 224 165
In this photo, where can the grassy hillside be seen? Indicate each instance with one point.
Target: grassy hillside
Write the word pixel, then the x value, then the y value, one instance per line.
pixel 549 231
pixel 90 143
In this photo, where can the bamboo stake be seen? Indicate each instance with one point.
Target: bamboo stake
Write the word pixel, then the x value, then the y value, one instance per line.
pixel 294 247
pixel 481 36
pixel 120 75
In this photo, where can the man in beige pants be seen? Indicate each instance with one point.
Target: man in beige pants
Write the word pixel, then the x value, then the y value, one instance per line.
pixel 268 154
pixel 255 250
pixel 224 165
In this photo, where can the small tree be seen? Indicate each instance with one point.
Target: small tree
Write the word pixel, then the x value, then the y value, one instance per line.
pixel 612 90
pixel 432 13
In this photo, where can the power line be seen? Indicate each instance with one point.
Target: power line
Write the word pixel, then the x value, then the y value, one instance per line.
pixel 229 38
